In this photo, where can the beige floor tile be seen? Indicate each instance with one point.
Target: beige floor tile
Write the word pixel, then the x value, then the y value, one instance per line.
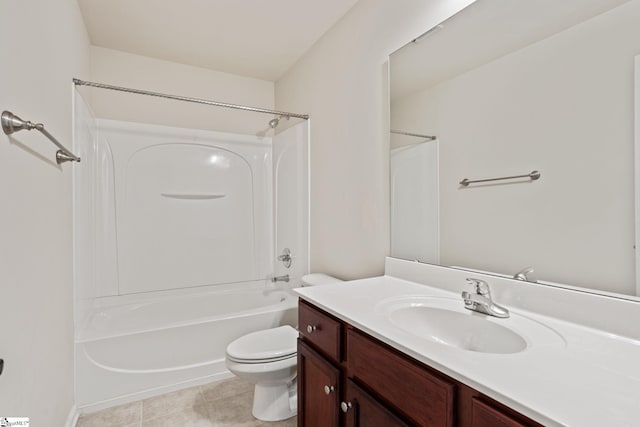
pixel 233 411
pixel 291 422
pixel 123 415
pixel 197 416
pixel 222 404
pixel 171 402
pixel 225 388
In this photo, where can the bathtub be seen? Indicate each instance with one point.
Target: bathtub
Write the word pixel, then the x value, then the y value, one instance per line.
pixel 135 350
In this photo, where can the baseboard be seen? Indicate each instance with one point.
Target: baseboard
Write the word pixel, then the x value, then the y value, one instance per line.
pixel 72 418
pixel 98 406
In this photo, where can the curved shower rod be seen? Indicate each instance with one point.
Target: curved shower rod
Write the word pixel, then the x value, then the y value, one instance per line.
pixel 12 123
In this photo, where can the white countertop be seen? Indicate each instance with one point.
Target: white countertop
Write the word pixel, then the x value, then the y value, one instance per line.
pixel 591 379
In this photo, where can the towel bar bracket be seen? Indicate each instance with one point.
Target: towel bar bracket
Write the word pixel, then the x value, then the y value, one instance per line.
pixel 12 123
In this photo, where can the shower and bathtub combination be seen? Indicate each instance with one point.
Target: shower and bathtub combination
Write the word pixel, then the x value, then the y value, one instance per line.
pixel 177 234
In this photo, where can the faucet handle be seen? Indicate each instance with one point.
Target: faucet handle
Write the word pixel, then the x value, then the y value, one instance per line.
pixel 481 287
pixel 286 257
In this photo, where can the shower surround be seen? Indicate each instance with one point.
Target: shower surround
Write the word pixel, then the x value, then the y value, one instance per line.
pixel 177 232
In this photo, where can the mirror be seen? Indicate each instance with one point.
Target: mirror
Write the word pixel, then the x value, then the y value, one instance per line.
pixel 507 88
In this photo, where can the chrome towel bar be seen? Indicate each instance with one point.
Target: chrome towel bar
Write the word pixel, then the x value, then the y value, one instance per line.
pixel 533 176
pixel 12 123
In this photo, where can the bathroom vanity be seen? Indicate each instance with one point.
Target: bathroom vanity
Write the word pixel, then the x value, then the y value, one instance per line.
pixel 401 350
pixel 348 378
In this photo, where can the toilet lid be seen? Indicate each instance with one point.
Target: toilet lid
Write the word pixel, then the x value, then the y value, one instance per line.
pixel 268 344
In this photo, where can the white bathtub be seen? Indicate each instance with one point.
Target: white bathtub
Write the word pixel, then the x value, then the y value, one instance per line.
pixel 132 351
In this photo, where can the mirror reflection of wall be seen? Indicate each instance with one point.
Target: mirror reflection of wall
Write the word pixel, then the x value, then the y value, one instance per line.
pixel 414 202
pixel 511 87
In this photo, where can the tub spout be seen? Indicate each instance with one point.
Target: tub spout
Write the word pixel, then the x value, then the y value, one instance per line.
pixel 284 278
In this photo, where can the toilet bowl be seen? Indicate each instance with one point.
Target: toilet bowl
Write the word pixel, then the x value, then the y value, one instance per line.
pixel 268 359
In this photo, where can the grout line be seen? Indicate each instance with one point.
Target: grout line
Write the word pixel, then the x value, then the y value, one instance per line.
pixel 205 404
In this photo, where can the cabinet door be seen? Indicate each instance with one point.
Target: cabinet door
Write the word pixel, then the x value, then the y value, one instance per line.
pixel 318 382
pixel 420 395
pixel 363 410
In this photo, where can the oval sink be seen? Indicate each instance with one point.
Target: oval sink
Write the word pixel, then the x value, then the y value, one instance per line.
pixel 446 321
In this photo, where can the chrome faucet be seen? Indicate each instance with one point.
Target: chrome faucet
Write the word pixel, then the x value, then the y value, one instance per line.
pixel 526 274
pixel 481 301
pixel 284 278
pixel 286 257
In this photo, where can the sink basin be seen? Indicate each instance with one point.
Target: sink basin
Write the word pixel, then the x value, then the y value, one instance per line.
pixel 446 321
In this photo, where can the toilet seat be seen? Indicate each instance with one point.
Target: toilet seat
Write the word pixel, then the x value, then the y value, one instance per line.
pixel 269 345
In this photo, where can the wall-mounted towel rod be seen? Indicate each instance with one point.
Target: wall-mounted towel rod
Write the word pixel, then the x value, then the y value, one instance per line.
pixel 12 123
pixel 533 176
pixel 400 132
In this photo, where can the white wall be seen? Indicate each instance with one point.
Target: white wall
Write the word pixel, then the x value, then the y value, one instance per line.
pixel 342 83
pixel 140 72
pixel 539 109
pixel 45 46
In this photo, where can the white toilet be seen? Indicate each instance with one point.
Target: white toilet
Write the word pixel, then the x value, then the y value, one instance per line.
pixel 268 359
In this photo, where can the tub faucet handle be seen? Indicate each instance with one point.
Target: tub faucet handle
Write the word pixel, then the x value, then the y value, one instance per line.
pixel 286 257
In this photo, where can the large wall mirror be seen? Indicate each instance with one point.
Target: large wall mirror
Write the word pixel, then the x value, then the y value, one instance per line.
pixel 502 89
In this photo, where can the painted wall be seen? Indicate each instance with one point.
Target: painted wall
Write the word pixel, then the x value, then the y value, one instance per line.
pixel 46 46
pixel 140 72
pixel 541 108
pixel 342 83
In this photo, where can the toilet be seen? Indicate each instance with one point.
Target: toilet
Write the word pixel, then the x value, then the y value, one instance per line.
pixel 268 359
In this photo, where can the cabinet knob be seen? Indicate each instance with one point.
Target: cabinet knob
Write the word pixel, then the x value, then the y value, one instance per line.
pixel 328 389
pixel 345 406
pixel 311 328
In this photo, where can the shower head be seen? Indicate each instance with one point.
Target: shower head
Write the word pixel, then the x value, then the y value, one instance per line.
pixel 273 123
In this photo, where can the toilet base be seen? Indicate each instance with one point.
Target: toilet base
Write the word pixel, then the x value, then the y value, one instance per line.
pixel 275 402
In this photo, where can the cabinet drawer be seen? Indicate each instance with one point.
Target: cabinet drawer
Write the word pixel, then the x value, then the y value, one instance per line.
pixel 484 415
pixel 418 394
pixel 320 329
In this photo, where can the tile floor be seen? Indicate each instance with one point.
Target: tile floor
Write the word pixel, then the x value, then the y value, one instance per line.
pixel 220 404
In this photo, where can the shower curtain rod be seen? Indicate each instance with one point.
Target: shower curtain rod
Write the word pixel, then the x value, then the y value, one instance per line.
pixel 79 82
pixel 418 135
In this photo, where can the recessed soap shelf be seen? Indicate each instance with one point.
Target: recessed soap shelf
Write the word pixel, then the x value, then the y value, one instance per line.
pixel 187 196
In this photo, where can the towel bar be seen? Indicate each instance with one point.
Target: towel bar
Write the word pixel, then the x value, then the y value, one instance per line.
pixel 12 123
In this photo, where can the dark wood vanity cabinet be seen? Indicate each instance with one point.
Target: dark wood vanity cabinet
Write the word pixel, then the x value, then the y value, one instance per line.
pixel 485 415
pixel 318 386
pixel 363 410
pixel 347 378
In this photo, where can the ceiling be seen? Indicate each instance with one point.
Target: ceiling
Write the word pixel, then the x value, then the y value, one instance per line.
pixel 254 38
